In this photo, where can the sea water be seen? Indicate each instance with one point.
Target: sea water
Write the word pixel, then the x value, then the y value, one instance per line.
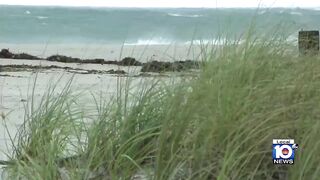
pixel 140 26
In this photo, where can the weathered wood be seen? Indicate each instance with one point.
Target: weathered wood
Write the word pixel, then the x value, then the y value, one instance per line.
pixel 309 42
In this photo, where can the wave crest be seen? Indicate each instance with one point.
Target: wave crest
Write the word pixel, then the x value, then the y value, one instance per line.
pixel 158 41
pixel 42 17
pixel 185 15
pixel 296 13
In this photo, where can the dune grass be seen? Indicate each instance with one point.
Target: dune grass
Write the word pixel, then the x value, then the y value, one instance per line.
pixel 218 125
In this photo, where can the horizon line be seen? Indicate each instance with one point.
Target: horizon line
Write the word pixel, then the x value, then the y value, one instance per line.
pixel 154 7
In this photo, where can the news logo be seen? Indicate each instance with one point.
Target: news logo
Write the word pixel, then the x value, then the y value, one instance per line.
pixel 283 151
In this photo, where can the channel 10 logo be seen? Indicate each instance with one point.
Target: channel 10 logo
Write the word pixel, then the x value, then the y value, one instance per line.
pixel 283 151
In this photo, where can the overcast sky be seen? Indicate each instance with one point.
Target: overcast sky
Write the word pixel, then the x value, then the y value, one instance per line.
pixel 169 3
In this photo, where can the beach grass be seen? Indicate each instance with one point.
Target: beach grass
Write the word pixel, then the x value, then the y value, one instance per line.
pixel 217 125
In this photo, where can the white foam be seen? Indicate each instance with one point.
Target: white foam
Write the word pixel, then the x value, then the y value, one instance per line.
pixel 296 13
pixel 42 17
pixel 27 12
pixel 155 41
pixel 220 41
pixel 200 42
pixel 181 15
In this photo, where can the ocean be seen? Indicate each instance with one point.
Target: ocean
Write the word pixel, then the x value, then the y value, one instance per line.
pixel 63 25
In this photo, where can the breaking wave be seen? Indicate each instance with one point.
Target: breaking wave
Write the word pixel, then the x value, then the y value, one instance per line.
pixel 157 41
pixel 42 17
pixel 296 13
pixel 184 15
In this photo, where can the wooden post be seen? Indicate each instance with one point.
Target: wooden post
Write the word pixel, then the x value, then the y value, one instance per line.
pixel 309 42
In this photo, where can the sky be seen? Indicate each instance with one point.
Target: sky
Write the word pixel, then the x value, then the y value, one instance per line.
pixel 170 3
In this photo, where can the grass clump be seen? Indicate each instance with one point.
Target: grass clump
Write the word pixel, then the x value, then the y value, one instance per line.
pixel 219 125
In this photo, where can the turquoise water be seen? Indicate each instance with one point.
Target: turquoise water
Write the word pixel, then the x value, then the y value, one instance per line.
pixel 23 24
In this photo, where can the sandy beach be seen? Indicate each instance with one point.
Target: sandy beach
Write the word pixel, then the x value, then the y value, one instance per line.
pixel 16 87
pixel 16 93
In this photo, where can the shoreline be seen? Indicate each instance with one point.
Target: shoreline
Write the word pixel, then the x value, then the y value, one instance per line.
pixel 113 52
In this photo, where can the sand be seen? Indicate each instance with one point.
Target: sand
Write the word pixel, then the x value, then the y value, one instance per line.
pixel 16 91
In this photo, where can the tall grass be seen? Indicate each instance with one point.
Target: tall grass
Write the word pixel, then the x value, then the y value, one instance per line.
pixel 219 125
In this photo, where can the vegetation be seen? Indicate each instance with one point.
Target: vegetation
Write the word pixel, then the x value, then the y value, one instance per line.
pixel 218 125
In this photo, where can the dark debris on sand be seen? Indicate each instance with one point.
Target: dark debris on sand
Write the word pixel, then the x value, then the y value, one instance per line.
pixel 5 53
pixel 15 68
pixel 153 66
pixel 64 59
pixel 158 66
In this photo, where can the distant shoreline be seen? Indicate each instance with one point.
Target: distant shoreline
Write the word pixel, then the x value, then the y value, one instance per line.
pixel 112 52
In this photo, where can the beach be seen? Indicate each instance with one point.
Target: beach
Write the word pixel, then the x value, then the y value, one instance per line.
pixel 16 86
